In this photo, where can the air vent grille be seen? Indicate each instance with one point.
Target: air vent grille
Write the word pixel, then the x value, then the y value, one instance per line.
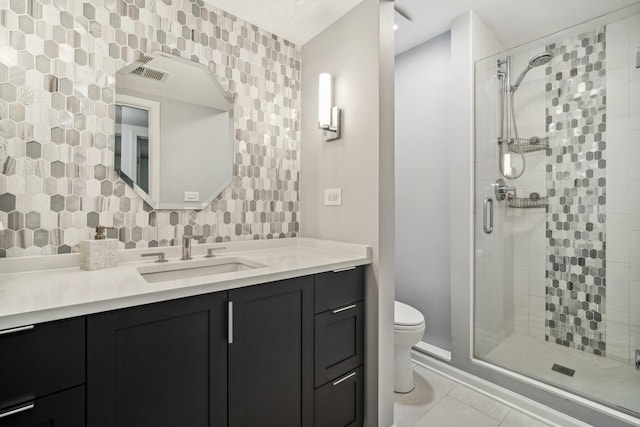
pixel 150 73
pixel 139 71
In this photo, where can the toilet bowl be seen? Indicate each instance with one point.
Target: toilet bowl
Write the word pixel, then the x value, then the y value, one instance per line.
pixel 408 330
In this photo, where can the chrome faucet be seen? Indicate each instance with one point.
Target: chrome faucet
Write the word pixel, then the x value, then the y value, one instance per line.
pixel 186 246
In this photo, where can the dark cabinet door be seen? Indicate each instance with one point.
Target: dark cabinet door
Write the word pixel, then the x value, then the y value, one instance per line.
pixel 161 365
pixel 271 355
pixel 60 409
pixel 339 341
pixel 341 403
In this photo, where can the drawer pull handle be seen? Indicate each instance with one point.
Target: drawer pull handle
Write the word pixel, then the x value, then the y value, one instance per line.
pixel 344 379
pixel 230 323
pixel 349 307
pixel 344 269
pixel 16 330
pixel 17 410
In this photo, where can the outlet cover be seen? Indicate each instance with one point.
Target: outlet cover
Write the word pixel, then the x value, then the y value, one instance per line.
pixel 333 197
pixel 191 196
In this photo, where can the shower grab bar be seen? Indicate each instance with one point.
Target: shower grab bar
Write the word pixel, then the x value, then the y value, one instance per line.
pixel 487 214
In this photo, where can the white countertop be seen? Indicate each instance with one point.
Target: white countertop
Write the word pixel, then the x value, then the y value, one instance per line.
pixel 45 288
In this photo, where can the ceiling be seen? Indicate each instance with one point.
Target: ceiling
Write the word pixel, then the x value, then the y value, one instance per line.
pixel 296 20
pixel 512 21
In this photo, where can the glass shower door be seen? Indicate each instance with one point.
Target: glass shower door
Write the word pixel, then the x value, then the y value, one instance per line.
pixel 557 228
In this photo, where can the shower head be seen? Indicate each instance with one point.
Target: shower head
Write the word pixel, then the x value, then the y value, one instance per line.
pixel 541 59
pixel 536 61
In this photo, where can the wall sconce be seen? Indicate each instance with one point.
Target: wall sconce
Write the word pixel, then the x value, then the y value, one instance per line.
pixel 328 115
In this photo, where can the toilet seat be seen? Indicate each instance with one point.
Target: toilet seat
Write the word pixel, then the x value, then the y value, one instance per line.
pixel 401 328
pixel 407 318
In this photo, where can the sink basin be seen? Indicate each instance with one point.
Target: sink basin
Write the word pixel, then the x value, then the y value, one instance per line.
pixel 195 268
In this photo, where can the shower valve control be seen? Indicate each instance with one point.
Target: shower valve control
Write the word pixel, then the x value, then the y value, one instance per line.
pixel 501 189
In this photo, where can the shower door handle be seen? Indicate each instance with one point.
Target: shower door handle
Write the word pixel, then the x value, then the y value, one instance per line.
pixel 487 215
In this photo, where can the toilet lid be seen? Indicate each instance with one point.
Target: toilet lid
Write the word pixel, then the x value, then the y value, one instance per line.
pixel 405 315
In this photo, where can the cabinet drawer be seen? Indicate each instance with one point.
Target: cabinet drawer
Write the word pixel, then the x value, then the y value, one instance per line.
pixel 337 289
pixel 60 409
pixel 41 360
pixel 341 403
pixel 339 340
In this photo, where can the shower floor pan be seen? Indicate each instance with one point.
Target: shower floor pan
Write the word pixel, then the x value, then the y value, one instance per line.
pixel 601 378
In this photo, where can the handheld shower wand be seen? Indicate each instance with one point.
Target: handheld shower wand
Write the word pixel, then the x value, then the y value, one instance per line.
pixel 508 120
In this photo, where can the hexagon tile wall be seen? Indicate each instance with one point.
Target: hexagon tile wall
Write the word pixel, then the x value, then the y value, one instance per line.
pixel 58 60
pixel 576 178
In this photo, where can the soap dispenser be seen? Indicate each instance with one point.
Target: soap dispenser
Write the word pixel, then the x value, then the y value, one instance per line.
pixel 99 253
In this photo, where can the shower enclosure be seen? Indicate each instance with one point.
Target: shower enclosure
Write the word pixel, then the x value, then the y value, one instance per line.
pixel 557 189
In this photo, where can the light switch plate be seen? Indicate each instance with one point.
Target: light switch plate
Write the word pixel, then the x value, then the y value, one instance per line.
pixel 333 197
pixel 191 196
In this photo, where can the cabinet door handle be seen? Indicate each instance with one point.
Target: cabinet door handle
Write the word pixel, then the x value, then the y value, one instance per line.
pixel 344 378
pixel 344 269
pixel 17 410
pixel 16 330
pixel 338 310
pixel 230 322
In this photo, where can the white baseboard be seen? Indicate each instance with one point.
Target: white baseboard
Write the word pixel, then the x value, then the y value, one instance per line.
pixel 507 397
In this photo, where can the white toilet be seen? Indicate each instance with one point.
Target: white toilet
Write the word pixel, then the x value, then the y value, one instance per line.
pixel 408 330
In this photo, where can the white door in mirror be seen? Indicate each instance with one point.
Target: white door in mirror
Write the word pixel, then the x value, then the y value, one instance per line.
pixel 191 196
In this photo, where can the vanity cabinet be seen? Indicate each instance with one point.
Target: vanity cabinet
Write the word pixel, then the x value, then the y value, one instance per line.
pixel 283 354
pixel 42 372
pixel 162 364
pixel 339 348
pixel 271 354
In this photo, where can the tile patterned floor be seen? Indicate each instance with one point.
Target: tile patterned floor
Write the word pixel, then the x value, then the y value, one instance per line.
pixel 440 402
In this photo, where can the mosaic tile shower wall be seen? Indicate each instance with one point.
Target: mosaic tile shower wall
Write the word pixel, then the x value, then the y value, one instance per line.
pixel 576 182
pixel 57 78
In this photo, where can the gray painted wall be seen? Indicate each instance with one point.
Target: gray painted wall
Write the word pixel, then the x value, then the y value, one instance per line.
pixel 423 196
pixel 358 51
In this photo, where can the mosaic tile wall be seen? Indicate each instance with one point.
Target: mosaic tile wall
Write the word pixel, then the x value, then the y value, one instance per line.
pixel 58 60
pixel 576 180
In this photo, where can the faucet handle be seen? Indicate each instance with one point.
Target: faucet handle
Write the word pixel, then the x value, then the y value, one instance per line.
pixel 210 251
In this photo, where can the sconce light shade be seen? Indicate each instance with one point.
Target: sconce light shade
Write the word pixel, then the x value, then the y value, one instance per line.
pixel 328 115
pixel 324 100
